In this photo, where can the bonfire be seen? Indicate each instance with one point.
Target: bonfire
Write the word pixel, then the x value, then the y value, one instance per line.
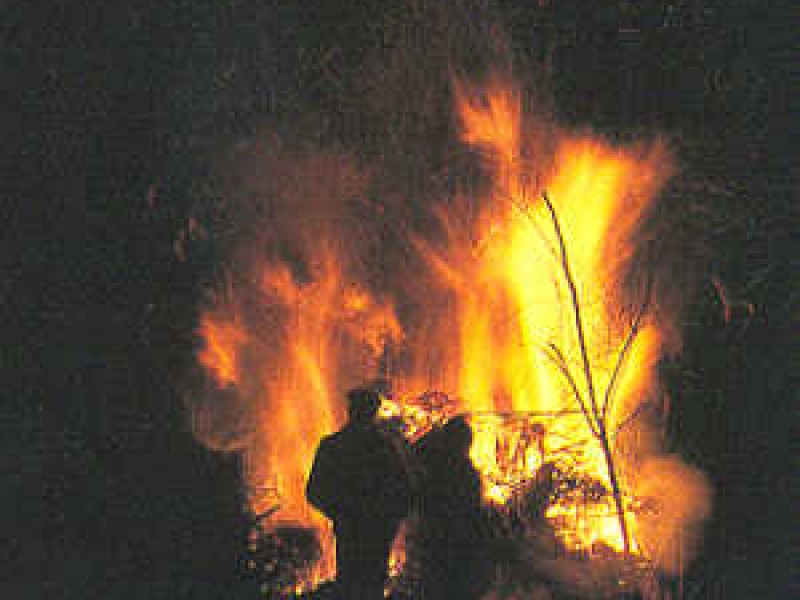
pixel 515 311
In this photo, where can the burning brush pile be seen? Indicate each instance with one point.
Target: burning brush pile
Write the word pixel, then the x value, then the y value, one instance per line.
pixel 527 300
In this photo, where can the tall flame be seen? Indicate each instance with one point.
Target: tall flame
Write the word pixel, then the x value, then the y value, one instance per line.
pixel 288 370
pixel 512 296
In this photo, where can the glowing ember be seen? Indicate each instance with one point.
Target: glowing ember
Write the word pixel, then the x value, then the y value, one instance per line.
pixel 510 350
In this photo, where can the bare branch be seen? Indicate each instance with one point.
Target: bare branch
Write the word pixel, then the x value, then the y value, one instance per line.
pixel 576 307
pixel 598 424
pixel 628 420
pixel 557 357
pixel 626 346
pixel 525 209
pixel 519 414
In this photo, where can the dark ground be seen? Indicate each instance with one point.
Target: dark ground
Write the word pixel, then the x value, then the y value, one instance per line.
pixel 105 493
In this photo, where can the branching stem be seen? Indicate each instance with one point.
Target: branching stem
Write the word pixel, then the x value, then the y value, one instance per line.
pixel 626 346
pixel 597 424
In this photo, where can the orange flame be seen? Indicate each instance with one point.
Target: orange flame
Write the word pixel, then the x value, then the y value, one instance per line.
pixel 222 341
pixel 287 367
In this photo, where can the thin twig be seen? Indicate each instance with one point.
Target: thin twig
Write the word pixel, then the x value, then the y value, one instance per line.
pixel 626 346
pixel 598 425
pixel 557 357
pixel 520 414
pixel 573 291
pixel 628 420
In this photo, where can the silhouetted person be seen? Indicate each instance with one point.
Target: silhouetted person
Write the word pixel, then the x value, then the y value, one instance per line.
pixel 454 531
pixel 358 480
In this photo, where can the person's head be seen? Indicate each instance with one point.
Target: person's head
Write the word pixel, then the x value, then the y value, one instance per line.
pixel 458 434
pixel 362 405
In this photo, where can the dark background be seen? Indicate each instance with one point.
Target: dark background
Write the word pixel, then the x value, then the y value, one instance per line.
pixel 110 114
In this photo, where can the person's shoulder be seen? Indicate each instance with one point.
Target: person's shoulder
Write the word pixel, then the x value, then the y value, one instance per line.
pixel 342 437
pixel 329 442
pixel 334 437
pixel 358 438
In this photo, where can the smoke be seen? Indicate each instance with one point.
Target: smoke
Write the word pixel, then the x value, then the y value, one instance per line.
pixel 676 500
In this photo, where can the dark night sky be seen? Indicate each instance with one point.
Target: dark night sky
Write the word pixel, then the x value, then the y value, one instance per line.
pixel 105 493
